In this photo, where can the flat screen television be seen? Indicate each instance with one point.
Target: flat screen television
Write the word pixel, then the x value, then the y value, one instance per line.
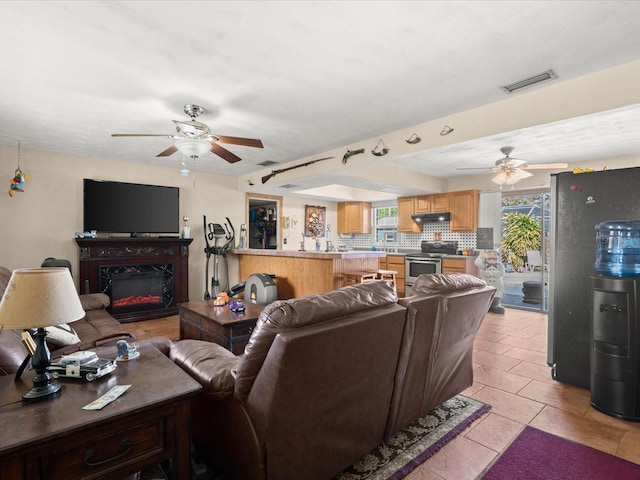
pixel 117 207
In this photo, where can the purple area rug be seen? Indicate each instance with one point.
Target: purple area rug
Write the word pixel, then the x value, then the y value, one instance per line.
pixel 411 446
pixel 537 455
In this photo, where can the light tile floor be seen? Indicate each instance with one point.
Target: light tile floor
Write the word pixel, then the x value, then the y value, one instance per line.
pixel 511 374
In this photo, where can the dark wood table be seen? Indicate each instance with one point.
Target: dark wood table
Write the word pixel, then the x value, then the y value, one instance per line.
pixel 57 439
pixel 206 321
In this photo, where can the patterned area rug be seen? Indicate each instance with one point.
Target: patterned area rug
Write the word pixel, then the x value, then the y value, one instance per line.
pixel 410 447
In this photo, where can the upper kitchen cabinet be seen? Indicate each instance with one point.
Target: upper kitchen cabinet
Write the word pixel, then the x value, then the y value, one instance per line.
pixel 422 204
pixel 463 206
pixel 354 217
pixel 440 202
pixel 436 203
pixel 406 208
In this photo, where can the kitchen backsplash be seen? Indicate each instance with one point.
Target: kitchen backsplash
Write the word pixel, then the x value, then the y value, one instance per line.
pixel 412 240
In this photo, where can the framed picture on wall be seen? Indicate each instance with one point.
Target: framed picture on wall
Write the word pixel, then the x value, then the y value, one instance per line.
pixel 314 221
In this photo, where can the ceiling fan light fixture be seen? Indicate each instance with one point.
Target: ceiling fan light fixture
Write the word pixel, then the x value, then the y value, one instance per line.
pixel 193 148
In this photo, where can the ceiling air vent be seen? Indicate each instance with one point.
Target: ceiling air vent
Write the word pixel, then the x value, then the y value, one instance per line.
pixel 267 163
pixel 288 185
pixel 529 82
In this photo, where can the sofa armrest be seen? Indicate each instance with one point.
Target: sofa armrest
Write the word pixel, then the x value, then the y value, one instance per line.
pixel 210 364
pixel 94 301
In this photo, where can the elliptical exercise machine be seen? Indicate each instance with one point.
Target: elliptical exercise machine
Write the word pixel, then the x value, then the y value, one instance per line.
pixel 216 233
pixel 260 286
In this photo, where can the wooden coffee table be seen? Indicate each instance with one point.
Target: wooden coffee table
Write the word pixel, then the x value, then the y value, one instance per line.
pixel 57 439
pixel 205 321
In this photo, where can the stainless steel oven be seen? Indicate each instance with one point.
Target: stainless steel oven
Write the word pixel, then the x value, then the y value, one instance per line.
pixel 418 265
pixel 428 260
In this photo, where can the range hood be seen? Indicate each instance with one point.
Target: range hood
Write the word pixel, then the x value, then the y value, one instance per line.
pixel 431 217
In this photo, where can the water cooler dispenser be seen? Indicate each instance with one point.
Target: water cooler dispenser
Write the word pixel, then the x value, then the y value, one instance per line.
pixel 615 336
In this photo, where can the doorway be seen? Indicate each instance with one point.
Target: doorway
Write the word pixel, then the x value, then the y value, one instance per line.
pixel 527 269
pixel 264 230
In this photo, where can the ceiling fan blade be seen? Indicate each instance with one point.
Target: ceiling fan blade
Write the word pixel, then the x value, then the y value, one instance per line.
pixel 169 151
pixel 224 153
pixel 540 166
pixel 474 168
pixel 141 135
pixel 247 142
pixel 514 163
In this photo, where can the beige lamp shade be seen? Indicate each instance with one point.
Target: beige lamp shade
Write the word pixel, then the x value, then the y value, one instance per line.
pixel 39 297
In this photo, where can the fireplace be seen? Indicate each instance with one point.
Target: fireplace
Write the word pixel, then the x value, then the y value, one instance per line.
pixel 134 272
pixel 138 287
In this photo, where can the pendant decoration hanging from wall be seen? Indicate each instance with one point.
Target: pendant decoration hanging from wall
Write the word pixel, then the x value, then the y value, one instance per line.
pixel 381 149
pixel 19 178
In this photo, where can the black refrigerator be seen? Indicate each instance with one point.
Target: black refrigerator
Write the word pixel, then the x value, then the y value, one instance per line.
pixel 578 203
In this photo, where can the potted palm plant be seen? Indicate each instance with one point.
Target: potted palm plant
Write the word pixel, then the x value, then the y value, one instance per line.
pixel 521 233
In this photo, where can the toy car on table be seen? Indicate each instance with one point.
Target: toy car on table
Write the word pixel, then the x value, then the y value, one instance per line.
pixel 85 365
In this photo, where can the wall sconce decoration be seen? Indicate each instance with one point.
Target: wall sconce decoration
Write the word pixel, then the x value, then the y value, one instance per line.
pixel 381 149
pixel 19 177
pixel 351 153
pixel 446 130
pixel 413 139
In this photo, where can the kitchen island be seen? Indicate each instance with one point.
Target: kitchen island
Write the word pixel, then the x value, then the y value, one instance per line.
pixel 305 273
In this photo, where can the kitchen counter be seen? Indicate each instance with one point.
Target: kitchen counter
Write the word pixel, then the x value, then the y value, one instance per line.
pixel 304 273
pixel 310 253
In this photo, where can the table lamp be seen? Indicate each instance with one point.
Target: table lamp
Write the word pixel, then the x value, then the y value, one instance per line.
pixel 38 298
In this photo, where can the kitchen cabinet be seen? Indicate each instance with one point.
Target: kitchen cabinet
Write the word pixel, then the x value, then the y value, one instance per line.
pixel 436 203
pixel 423 204
pixel 440 202
pixel 354 217
pixel 395 263
pixel 406 208
pixel 459 265
pixel 463 206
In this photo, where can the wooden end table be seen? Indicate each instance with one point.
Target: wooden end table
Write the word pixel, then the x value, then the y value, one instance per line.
pixel 205 321
pixel 57 440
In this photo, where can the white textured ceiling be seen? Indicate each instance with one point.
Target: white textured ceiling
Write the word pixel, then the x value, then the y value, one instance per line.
pixel 304 77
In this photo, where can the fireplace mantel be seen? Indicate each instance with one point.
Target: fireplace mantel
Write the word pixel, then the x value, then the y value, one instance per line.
pixel 98 253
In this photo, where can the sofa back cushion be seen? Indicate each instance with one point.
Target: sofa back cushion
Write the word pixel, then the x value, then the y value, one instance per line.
pixel 445 282
pixel 284 315
pixel 322 396
pixel 443 318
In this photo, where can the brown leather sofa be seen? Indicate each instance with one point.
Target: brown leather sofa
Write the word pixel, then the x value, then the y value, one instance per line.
pixel 326 378
pixel 444 314
pixel 96 329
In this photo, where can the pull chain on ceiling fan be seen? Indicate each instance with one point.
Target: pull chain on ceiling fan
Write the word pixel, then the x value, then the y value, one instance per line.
pixel 195 139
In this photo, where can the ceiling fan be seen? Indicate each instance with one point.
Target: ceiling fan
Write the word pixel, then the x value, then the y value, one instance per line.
pixel 511 170
pixel 194 138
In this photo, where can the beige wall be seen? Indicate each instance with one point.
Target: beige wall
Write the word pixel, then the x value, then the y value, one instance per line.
pixel 41 222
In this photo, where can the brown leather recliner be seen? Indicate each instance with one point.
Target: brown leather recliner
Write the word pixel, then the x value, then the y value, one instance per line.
pixel 311 393
pixel 326 378
pixel 444 314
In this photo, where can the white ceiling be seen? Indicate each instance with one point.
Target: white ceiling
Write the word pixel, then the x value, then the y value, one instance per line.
pixel 304 77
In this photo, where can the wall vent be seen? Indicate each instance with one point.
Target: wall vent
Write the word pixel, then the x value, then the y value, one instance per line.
pixel 267 163
pixel 529 82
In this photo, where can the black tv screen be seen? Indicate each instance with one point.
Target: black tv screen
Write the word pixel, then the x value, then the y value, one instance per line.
pixel 117 207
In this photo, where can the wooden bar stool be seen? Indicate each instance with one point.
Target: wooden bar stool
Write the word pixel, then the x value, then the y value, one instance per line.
pixel 360 277
pixel 389 275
